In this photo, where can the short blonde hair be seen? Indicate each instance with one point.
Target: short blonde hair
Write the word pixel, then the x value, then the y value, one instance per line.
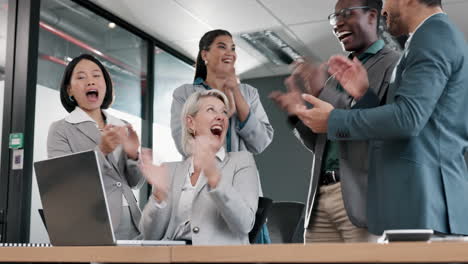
pixel 191 108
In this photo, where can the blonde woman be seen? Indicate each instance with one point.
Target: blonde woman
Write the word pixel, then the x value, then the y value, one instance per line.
pixel 211 197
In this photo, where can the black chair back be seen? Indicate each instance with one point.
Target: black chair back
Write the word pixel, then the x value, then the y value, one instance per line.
pixel 286 222
pixel 264 205
pixel 466 157
pixel 41 213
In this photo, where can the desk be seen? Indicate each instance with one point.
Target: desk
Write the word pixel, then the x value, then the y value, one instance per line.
pixel 326 253
pixel 286 253
pixel 86 254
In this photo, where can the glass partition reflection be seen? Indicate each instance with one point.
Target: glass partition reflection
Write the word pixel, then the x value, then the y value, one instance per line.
pixel 3 42
pixel 170 73
pixel 66 31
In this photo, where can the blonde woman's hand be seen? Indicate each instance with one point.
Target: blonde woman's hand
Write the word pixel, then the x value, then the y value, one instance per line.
pixel 156 175
pixel 204 158
pixel 130 141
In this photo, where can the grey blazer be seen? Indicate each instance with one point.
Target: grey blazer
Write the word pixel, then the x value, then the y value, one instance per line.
pixel 254 136
pixel 119 175
pixel 221 216
pixel 354 163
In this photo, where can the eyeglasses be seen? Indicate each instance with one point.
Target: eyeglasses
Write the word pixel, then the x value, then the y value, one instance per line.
pixel 343 13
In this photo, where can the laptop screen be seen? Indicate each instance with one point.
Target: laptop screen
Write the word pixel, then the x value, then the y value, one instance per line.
pixel 74 200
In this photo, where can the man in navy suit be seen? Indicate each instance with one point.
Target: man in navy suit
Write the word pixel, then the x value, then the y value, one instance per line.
pixel 418 177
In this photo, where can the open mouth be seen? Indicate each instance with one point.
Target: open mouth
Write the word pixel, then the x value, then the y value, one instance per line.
pixel 343 35
pixel 92 95
pixel 217 130
pixel 227 60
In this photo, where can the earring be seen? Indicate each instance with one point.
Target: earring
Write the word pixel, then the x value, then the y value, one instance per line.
pixel 206 62
pixel 191 131
pixel 71 98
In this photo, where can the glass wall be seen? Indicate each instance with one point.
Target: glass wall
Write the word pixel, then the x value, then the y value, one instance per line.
pixel 66 31
pixel 3 42
pixel 170 72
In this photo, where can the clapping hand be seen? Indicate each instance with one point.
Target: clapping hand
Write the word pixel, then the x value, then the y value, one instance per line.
pixel 351 74
pixel 290 100
pixel 231 87
pixel 315 118
pixel 308 77
pixel 156 175
pixel 204 150
pixel 130 142
pixel 110 138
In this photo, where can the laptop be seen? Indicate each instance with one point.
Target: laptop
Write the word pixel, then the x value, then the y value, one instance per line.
pixel 75 205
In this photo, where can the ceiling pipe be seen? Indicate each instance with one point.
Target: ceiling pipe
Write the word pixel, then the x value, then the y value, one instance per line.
pixel 55 21
pixel 89 48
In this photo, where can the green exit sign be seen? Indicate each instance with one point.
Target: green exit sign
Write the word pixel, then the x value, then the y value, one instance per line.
pixel 16 140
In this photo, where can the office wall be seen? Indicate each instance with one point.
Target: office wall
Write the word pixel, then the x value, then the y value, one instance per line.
pixel 2 91
pixel 285 165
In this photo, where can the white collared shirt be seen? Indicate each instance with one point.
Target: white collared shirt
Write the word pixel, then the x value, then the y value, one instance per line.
pixel 407 43
pixel 79 116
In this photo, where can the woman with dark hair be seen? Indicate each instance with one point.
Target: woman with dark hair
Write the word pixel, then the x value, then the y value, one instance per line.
pixel 249 127
pixel 86 90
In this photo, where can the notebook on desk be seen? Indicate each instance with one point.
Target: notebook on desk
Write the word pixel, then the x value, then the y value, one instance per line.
pixel 75 205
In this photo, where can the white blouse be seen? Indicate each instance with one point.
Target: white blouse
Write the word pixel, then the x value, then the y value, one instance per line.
pixel 183 212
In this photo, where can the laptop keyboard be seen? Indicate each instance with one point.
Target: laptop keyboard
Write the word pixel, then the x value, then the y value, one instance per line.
pixel 25 245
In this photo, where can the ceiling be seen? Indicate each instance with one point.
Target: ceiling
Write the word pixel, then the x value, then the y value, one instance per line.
pixel 302 23
pixel 181 23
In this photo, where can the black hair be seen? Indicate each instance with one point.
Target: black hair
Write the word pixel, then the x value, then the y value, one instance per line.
pixel 68 102
pixel 204 44
pixel 377 5
pixel 431 2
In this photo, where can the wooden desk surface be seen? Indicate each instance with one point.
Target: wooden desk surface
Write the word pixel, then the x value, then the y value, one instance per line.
pixel 118 254
pixel 292 253
pixel 326 253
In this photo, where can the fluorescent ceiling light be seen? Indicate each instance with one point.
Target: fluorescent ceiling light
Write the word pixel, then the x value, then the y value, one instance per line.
pixel 271 46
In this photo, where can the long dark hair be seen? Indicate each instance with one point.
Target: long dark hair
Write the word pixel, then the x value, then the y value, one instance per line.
pixel 69 103
pixel 204 44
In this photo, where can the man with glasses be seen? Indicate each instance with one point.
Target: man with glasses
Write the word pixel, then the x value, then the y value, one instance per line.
pixel 336 205
pixel 418 177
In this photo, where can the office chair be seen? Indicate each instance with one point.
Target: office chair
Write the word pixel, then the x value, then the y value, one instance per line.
pixel 41 213
pixel 286 222
pixel 264 205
